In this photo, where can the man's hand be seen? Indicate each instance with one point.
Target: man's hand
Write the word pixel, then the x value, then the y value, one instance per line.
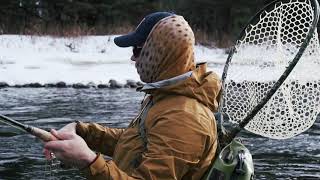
pixel 70 148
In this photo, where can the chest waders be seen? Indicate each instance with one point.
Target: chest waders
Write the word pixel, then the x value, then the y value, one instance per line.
pixel 234 161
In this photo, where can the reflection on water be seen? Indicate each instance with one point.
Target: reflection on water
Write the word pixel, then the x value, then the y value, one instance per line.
pixel 21 155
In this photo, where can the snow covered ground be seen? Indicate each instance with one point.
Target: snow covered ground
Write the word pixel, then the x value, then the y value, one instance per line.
pixel 44 59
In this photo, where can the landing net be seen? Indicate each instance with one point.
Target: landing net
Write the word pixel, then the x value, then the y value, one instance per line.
pixel 261 56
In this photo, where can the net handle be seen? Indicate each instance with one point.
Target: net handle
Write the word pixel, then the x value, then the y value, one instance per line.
pixel 233 133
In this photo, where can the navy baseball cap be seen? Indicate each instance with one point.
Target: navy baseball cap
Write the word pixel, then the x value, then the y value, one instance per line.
pixel 141 33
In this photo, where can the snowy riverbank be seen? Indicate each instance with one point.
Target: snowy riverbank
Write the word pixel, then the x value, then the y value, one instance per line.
pixel 90 59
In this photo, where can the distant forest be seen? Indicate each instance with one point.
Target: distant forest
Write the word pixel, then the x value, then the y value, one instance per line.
pixel 216 21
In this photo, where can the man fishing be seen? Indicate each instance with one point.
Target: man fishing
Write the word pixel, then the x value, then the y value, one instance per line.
pixel 174 136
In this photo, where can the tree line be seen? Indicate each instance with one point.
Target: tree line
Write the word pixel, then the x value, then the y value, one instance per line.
pixel 211 20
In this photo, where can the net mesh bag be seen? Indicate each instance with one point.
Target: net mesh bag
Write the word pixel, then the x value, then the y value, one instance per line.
pixel 261 56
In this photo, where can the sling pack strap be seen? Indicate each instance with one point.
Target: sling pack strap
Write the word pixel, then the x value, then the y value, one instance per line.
pixel 142 130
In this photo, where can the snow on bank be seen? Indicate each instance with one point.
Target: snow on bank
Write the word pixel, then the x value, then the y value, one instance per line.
pixel 44 59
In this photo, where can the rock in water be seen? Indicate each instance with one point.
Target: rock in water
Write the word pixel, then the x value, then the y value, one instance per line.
pixel 114 84
pixel 50 85
pixel 17 86
pixel 102 86
pixel 139 83
pixel 131 84
pixel 3 85
pixel 80 86
pixel 91 84
pixel 33 85
pixel 36 85
pixel 61 85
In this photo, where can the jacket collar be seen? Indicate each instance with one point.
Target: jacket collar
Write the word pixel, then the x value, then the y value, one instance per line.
pixel 166 82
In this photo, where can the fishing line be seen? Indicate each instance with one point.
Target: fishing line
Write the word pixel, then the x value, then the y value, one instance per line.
pixel 45 136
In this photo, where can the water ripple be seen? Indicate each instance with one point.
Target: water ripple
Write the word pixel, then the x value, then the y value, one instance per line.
pixel 21 154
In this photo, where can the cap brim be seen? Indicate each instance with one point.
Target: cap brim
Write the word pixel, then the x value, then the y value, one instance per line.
pixel 131 39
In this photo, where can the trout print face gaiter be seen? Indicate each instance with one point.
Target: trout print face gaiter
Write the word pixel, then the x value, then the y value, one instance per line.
pixel 168 50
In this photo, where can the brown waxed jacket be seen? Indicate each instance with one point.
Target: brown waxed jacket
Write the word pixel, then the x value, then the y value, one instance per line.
pixel 180 130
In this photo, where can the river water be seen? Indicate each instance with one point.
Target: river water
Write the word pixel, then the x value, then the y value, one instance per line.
pixel 21 154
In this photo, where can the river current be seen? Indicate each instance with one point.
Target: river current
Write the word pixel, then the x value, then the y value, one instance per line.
pixel 21 154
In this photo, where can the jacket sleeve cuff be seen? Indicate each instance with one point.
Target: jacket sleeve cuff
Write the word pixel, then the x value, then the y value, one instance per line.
pixel 96 167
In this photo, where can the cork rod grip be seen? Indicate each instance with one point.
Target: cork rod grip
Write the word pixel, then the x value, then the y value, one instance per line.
pixel 42 134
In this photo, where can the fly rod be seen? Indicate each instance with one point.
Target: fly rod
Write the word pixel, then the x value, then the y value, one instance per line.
pixel 37 132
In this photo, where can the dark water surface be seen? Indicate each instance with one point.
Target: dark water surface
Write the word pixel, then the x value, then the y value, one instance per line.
pixel 21 155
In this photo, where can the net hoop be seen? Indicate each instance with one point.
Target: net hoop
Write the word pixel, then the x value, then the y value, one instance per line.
pixel 250 115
